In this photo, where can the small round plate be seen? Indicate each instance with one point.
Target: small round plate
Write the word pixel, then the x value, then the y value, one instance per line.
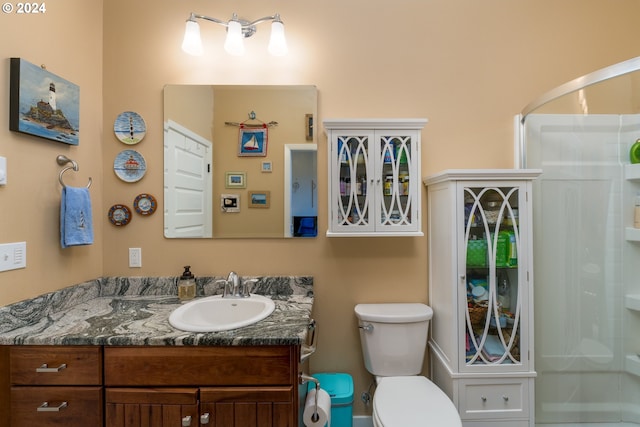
pixel 129 166
pixel 130 127
pixel 119 215
pixel 145 204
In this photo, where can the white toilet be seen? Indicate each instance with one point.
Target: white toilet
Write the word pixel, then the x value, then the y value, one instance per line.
pixel 394 339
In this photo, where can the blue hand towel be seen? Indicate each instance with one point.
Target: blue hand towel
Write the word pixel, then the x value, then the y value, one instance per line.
pixel 76 225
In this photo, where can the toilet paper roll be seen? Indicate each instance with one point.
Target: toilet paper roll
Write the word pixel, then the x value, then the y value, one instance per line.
pixel 324 409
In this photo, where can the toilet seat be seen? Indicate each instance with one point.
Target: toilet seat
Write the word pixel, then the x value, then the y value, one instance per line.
pixel 412 401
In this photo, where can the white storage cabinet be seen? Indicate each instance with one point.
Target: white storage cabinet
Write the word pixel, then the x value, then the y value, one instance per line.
pixel 374 177
pixel 481 292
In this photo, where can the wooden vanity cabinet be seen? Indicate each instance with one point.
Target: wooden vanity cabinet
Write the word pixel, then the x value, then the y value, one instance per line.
pixel 149 386
pixel 201 386
pixel 56 386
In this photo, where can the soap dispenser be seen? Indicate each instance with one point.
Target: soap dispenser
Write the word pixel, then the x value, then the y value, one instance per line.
pixel 186 285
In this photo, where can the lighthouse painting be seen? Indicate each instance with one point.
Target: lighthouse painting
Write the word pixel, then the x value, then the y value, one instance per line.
pixel 43 104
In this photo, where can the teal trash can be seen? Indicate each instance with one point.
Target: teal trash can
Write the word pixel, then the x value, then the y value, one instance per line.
pixel 340 388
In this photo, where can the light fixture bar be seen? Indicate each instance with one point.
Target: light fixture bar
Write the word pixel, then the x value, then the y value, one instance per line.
pixel 237 29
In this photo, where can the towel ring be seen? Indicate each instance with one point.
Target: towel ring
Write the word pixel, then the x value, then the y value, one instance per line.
pixel 63 160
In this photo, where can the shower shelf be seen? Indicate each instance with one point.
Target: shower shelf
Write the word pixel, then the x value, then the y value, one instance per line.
pixel 632 302
pixel 632 364
pixel 632 234
pixel 632 171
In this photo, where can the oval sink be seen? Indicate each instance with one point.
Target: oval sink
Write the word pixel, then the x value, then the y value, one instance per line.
pixel 216 313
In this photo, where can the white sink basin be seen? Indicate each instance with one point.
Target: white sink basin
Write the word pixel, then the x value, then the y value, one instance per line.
pixel 216 313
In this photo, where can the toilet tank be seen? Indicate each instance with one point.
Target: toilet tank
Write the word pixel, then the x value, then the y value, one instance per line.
pixel 393 337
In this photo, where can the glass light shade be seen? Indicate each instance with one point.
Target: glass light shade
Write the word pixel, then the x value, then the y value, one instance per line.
pixel 277 42
pixel 234 44
pixel 192 44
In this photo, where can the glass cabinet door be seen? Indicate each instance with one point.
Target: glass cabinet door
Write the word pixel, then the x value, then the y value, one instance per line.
pixel 493 313
pixel 355 183
pixel 396 205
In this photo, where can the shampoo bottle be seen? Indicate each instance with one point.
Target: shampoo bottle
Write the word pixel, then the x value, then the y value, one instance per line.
pixel 186 285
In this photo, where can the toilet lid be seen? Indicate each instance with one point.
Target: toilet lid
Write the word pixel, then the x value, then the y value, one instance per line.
pixel 413 401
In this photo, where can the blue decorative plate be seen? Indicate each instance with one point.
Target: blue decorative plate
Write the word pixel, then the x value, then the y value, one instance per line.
pixel 145 204
pixel 130 166
pixel 130 127
pixel 119 215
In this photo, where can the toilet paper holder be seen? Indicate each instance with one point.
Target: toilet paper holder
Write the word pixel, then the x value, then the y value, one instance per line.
pixel 302 380
pixel 305 352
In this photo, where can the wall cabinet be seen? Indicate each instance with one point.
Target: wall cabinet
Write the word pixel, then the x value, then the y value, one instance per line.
pixel 481 291
pixel 374 177
pixel 151 386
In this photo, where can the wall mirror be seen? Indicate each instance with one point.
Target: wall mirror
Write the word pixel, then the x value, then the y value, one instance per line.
pixel 240 161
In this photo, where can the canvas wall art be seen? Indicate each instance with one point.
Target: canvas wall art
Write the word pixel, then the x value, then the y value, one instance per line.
pixel 43 104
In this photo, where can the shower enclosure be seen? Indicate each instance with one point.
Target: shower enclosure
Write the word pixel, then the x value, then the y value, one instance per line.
pixel 586 251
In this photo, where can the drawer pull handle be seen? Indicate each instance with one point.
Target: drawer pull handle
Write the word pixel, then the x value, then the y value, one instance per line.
pixel 186 421
pixel 204 418
pixel 484 399
pixel 46 368
pixel 46 408
pixel 506 398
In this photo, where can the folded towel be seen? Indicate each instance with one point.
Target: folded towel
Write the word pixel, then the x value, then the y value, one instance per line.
pixel 76 225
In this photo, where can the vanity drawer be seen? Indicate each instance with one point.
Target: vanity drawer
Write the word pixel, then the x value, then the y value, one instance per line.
pixel 205 366
pixel 65 406
pixel 500 398
pixel 56 365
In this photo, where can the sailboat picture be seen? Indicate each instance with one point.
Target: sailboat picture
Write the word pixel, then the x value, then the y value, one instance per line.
pixel 252 142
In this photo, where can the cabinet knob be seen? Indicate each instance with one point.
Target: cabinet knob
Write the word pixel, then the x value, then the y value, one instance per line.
pixel 46 408
pixel 506 398
pixel 45 368
pixel 483 398
pixel 186 421
pixel 204 418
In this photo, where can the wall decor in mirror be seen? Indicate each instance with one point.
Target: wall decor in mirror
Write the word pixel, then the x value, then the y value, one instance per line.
pixel 43 104
pixel 209 169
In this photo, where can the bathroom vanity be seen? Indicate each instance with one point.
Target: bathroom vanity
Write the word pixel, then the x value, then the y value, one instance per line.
pixel 114 360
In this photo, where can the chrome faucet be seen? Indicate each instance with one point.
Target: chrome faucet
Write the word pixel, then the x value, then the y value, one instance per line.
pixel 233 280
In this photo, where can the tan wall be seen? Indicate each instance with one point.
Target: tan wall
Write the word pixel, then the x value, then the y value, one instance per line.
pixel 67 39
pixel 468 66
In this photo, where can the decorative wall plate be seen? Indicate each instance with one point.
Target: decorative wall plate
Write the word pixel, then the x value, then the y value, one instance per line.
pixel 119 215
pixel 130 166
pixel 130 127
pixel 145 204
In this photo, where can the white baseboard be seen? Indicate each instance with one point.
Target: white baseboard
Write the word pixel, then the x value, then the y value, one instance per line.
pixel 362 421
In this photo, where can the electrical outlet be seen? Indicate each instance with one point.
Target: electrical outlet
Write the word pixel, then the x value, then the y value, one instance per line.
pixel 135 257
pixel 13 256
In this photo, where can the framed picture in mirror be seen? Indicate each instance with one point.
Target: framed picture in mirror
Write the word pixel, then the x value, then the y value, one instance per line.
pixel 235 180
pixel 259 199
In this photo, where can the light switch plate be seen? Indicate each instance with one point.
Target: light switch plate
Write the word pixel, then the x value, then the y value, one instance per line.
pixel 13 256
pixel 135 257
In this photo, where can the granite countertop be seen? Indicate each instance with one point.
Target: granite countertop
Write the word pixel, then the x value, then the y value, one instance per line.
pixel 135 311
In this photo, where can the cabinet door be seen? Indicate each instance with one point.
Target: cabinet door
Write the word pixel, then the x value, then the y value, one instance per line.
pixel 353 183
pixel 494 297
pixel 248 406
pixel 396 157
pixel 146 407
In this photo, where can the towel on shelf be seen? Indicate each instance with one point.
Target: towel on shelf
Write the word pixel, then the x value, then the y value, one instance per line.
pixel 76 225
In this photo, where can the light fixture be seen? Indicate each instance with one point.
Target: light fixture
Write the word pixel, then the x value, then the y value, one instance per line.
pixel 237 30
